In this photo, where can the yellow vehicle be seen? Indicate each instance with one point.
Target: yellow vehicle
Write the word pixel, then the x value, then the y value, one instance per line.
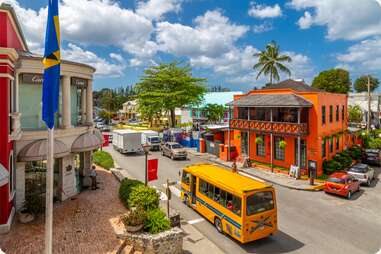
pixel 239 206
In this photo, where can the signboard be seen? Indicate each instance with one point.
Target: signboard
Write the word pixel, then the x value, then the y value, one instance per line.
pixel 80 82
pixel 153 165
pixel 31 78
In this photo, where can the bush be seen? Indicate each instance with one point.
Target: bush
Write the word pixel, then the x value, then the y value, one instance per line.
pixel 125 189
pixel 143 197
pixel 103 159
pixel 135 218
pixel 374 143
pixel 156 221
pixel 344 160
pixel 355 152
pixel 331 166
pixel 34 203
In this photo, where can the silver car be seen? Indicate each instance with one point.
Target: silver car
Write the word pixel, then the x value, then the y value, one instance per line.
pixel 174 151
pixel 362 172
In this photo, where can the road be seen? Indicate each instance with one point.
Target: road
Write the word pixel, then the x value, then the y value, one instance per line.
pixel 309 222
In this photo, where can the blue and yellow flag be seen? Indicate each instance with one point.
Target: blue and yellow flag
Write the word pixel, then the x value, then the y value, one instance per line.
pixel 52 68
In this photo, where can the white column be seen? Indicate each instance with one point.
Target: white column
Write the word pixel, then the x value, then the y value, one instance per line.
pixel 20 185
pixel 16 86
pixel 66 102
pixel 83 106
pixel 89 102
pixel 299 142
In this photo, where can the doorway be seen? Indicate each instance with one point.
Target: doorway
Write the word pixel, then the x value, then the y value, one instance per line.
pixel 244 143
pixel 193 189
pixel 303 153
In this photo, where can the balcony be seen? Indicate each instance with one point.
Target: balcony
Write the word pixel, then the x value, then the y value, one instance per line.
pixel 285 128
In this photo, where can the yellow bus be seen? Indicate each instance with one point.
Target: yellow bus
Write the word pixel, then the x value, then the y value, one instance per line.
pixel 237 205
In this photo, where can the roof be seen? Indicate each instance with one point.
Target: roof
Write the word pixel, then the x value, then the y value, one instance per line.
pixel 232 181
pixel 124 131
pixel 220 98
pixel 296 85
pixel 271 100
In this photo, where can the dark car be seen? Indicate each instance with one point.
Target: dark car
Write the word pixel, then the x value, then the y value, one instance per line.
pixel 372 157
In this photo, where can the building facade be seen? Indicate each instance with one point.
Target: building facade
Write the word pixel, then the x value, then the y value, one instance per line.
pixel 361 100
pixel 289 123
pixel 24 134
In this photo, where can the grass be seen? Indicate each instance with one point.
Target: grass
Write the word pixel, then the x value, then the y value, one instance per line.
pixel 103 159
pixel 269 165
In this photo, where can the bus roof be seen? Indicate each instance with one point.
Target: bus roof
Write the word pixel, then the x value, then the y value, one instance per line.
pixel 219 175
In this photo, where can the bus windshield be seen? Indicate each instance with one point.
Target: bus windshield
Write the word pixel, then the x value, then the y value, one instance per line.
pixel 259 202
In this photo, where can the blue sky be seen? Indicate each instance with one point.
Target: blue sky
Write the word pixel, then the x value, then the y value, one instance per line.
pixel 217 38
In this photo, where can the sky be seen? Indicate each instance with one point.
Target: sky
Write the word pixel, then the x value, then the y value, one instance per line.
pixel 216 38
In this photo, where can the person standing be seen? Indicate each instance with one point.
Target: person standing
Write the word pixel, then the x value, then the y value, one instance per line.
pixel 93 176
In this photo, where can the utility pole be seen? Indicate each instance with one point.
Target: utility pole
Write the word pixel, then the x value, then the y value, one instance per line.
pixel 369 106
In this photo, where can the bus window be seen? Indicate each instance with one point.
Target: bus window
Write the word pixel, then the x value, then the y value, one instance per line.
pixel 223 198
pixel 237 205
pixel 210 191
pixel 217 194
pixel 186 177
pixel 259 202
pixel 203 187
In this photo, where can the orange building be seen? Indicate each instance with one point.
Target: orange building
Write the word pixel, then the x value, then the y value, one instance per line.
pixel 289 123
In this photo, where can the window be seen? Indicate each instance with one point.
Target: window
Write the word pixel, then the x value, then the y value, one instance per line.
pixel 330 113
pixel 337 113
pixel 323 114
pixel 279 152
pixel 186 177
pixel 259 202
pixel 337 142
pixel 323 148
pixel 342 112
pixel 203 187
pixel 261 146
pixel 210 193
pixel 331 145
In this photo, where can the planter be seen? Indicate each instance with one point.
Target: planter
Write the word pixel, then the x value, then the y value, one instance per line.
pixel 25 217
pixel 134 229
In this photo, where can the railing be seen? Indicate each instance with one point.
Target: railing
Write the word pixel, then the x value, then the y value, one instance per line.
pixel 268 127
pixel 15 126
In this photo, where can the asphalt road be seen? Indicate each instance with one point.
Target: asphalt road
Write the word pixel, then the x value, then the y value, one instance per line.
pixel 309 222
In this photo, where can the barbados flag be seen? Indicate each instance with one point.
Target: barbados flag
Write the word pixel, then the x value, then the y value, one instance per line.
pixel 51 62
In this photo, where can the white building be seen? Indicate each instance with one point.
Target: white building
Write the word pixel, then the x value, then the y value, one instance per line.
pixel 361 99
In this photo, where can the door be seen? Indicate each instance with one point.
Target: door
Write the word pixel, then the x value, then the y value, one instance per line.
pixel 303 153
pixel 244 144
pixel 193 189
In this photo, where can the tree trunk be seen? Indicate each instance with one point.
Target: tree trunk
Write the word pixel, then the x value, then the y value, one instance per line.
pixel 271 78
pixel 173 118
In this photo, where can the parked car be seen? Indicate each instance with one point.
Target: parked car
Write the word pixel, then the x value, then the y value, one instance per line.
pixel 362 172
pixel 372 157
pixel 342 184
pixel 173 150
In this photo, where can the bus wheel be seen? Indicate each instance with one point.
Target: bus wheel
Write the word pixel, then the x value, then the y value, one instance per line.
pixel 218 225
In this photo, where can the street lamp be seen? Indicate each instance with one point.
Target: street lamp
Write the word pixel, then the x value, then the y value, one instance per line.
pixel 146 148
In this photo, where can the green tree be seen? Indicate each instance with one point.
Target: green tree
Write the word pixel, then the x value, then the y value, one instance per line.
pixel 361 84
pixel 333 81
pixel 270 62
pixel 355 114
pixel 214 112
pixel 166 87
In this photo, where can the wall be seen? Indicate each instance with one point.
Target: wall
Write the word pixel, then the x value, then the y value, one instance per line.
pixel 8 34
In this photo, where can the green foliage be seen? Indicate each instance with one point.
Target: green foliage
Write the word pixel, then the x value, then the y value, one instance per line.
pixel 143 197
pixel 361 84
pixel 355 152
pixel 282 144
pixel 107 115
pixel 333 80
pixel 214 112
pixel 156 221
pixel 342 160
pixel 125 189
pixel 34 202
pixel 259 140
pixel 374 143
pixel 103 159
pixel 331 166
pixel 355 114
pixel 270 62
pixel 135 217
pixel 168 86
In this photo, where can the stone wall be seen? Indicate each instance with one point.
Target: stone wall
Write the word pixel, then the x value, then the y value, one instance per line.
pixel 168 242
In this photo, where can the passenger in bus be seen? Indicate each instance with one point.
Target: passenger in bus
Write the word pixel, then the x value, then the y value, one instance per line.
pixel 230 205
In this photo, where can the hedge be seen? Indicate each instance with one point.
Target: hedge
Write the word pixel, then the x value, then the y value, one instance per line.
pixel 342 160
pixel 125 190
pixel 103 159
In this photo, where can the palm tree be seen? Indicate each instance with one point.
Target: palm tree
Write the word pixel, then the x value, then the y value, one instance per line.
pixel 270 62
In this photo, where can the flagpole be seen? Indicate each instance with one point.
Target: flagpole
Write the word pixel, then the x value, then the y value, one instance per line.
pixel 49 193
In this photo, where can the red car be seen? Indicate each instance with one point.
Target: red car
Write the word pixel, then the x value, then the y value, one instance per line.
pixel 341 183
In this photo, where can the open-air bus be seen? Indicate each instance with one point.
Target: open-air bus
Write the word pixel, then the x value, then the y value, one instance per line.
pixel 239 206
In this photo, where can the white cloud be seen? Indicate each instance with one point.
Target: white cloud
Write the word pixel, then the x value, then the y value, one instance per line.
pixel 264 11
pixel 363 57
pixel 117 57
pixel 102 66
pixel 344 19
pixel 155 9
pixel 261 28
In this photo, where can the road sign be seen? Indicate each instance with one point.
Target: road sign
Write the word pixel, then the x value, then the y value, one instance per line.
pixel 153 165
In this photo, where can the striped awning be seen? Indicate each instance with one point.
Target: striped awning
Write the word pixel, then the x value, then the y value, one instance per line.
pixel 37 150
pixel 4 175
pixel 86 142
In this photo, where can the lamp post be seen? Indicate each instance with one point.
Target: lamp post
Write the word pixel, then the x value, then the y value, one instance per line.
pixel 146 148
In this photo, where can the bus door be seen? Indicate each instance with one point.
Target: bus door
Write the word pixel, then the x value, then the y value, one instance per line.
pixel 193 189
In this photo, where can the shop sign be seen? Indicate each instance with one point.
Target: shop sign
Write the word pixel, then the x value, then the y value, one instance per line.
pixel 31 78
pixel 80 82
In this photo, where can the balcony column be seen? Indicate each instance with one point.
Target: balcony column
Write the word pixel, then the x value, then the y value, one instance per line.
pixel 229 133
pixel 299 143
pixel 83 106
pixel 271 142
pixel 89 102
pixel 66 102
pixel 248 134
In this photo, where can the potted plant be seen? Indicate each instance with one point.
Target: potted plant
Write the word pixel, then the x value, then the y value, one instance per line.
pixel 134 220
pixel 282 144
pixel 259 140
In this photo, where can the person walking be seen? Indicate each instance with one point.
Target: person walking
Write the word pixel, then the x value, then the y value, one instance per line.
pixel 93 176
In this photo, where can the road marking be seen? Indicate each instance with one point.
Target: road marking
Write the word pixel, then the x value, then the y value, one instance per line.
pixel 196 221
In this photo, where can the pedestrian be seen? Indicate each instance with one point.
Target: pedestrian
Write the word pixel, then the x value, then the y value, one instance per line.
pixel 93 175
pixel 234 167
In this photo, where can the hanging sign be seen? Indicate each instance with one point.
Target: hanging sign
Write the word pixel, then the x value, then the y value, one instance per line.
pixel 153 165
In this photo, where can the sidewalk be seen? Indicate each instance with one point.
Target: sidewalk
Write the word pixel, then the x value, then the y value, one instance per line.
pixel 275 178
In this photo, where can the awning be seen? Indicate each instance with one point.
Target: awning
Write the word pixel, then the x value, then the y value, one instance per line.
pixel 99 135
pixel 85 142
pixel 4 175
pixel 37 150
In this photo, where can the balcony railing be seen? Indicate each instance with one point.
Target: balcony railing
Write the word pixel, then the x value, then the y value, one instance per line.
pixel 268 127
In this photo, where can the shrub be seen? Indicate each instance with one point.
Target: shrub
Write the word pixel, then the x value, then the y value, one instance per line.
pixel 156 221
pixel 344 159
pixel 135 217
pixel 125 189
pixel 374 143
pixel 103 159
pixel 143 197
pixel 34 203
pixel 355 152
pixel 331 166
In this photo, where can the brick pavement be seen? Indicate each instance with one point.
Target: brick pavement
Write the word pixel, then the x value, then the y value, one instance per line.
pixel 83 224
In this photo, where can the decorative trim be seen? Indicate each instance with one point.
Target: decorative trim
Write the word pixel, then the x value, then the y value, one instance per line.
pixel 3 75
pixel 11 52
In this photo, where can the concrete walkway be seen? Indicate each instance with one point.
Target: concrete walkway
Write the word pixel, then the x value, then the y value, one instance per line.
pixel 275 178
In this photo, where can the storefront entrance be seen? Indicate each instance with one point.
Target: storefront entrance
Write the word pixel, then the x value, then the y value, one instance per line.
pixel 79 165
pixel 303 153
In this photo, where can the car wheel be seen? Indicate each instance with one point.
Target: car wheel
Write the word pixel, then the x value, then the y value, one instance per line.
pixel 218 225
pixel 349 195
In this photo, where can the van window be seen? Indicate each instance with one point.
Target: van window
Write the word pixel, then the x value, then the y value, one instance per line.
pixel 186 177
pixel 259 202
